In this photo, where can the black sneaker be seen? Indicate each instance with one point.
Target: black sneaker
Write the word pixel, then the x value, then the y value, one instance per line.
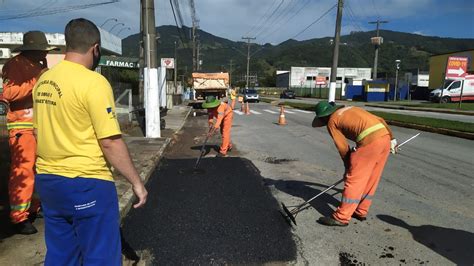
pixel 329 221
pixel 358 217
pixel 25 228
pixel 221 155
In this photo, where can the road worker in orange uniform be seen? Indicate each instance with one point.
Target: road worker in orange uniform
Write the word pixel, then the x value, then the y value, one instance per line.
pixel 223 115
pixel 20 74
pixel 364 163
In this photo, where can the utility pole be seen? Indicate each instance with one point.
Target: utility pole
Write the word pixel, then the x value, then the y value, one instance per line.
pixel 152 103
pixel 335 55
pixel 377 45
pixel 248 59
pixel 175 68
pixel 141 60
pixel 198 55
pixel 230 73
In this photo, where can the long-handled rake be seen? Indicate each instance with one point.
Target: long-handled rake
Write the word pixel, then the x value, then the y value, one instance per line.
pixel 291 214
pixel 195 169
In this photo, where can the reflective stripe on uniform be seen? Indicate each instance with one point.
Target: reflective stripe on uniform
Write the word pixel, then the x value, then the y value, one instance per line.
pixel 20 207
pixel 19 125
pixel 350 201
pixel 368 131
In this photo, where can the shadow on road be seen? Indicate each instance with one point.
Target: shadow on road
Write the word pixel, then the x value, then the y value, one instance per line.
pixel 324 204
pixel 453 244
pixel 224 216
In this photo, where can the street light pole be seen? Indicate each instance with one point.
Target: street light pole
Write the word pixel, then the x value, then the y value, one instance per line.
pixel 122 24
pixel 107 20
pixel 397 62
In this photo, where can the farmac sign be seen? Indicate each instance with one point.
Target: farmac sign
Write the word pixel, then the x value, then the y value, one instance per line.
pixel 122 62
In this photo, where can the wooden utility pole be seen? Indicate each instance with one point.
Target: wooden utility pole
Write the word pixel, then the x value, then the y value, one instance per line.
pixel 248 59
pixel 376 57
pixel 230 73
pixel 175 68
pixel 335 56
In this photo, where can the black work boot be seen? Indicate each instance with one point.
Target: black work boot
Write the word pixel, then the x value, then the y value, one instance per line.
pixel 329 221
pixel 358 217
pixel 25 228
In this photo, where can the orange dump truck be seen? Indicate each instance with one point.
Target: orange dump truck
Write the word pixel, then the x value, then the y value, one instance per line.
pixel 207 84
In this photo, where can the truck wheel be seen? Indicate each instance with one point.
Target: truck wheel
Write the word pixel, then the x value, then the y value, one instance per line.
pixel 445 99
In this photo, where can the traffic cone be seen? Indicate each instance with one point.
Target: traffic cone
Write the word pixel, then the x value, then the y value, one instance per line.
pixel 282 119
pixel 247 109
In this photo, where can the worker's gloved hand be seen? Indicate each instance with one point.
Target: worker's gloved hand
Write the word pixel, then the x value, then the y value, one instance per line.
pixel 393 146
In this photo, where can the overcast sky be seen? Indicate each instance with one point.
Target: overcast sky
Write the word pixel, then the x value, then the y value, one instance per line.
pixel 233 19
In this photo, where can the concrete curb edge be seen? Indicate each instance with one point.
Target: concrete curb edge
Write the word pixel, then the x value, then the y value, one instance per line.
pixel 448 132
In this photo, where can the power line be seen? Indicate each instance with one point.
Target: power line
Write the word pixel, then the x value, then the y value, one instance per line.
pixel 273 22
pixel 375 8
pixel 41 12
pixel 269 17
pixel 316 21
pixel 288 20
pixel 261 18
pixel 178 29
pixel 351 17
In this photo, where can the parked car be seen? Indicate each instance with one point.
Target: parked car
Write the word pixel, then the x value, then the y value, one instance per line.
pixel 287 94
pixel 250 95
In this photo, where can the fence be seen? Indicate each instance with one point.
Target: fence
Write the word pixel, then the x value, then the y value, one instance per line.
pixel 318 92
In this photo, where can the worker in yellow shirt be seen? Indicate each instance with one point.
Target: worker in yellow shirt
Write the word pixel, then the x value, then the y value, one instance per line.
pixel 364 164
pixel 78 138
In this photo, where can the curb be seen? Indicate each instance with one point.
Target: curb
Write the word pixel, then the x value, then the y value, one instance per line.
pixel 440 110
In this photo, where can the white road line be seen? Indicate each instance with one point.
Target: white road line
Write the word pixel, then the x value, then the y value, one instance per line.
pixel 303 111
pixel 238 112
pixel 255 112
pixel 270 111
pixel 290 112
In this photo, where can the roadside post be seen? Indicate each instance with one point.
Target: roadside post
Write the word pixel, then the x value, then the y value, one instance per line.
pixel 456 68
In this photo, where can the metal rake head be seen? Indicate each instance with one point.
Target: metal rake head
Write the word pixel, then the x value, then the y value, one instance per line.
pixel 288 214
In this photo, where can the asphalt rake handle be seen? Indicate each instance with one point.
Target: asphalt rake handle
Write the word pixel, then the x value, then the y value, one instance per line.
pixel 202 151
pixel 291 214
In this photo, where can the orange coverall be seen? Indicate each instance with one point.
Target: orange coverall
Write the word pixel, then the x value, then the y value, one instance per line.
pixel 19 77
pixel 365 165
pixel 224 115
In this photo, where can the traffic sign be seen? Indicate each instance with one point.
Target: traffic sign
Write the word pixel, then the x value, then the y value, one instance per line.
pixel 456 67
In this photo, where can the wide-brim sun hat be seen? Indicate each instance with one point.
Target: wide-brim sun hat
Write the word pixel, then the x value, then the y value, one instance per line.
pixel 35 41
pixel 211 102
pixel 324 108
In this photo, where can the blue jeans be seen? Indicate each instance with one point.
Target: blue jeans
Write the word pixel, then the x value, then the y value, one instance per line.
pixel 81 220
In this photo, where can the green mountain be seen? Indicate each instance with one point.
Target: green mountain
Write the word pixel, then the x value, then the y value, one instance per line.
pixel 355 51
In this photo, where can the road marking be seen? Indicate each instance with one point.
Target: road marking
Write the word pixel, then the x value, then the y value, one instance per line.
pixel 255 112
pixel 238 112
pixel 270 111
pixel 290 112
pixel 303 111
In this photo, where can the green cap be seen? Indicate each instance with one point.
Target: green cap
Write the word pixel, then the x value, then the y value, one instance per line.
pixel 324 108
pixel 211 102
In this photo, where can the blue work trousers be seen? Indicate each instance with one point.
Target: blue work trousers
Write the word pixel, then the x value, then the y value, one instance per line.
pixel 81 220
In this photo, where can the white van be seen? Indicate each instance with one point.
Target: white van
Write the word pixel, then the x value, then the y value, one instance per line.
pixel 452 90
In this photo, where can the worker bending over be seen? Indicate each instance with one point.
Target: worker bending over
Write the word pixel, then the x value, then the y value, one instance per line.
pixel 220 117
pixel 364 164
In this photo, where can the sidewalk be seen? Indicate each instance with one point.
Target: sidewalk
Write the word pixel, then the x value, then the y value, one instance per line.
pixel 146 153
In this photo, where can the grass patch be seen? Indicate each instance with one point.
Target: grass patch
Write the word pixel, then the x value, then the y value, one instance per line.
pixel 302 106
pixel 427 121
pixel 454 106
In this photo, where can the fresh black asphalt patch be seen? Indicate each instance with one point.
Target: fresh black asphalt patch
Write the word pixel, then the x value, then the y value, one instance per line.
pixel 224 216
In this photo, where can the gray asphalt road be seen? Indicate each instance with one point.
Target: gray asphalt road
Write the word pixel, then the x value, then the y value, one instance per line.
pixel 422 211
pixel 453 117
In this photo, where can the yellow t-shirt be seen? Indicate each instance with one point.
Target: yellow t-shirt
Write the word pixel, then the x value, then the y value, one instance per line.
pixel 73 108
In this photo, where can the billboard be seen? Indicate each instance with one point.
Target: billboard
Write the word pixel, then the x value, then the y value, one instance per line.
pixel 456 67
